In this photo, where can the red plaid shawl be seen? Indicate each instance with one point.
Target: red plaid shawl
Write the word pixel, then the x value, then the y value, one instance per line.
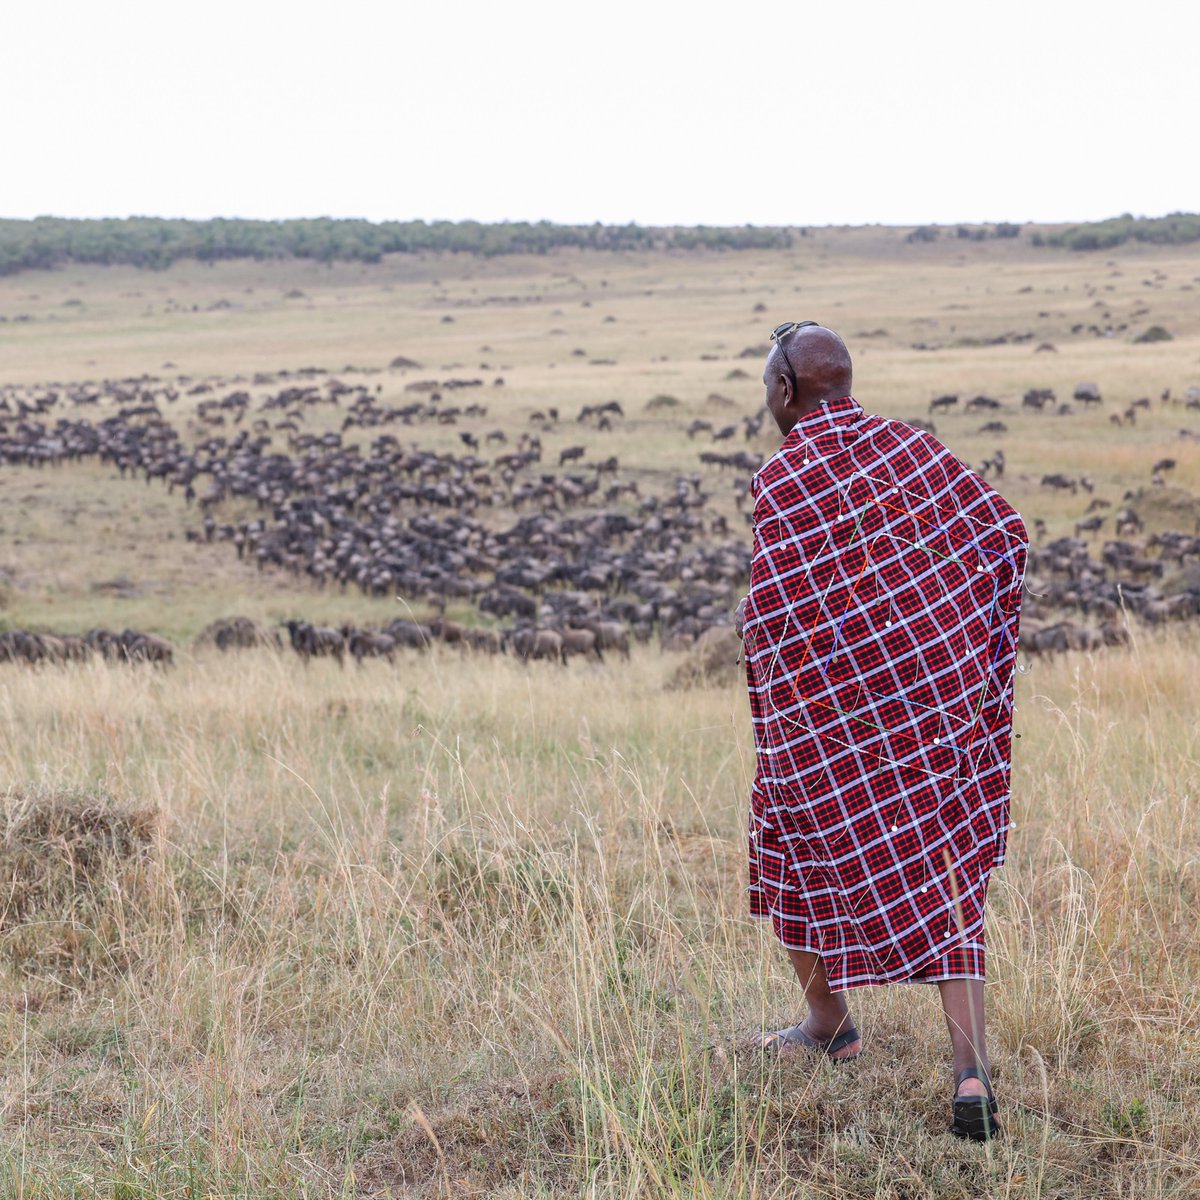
pixel 881 634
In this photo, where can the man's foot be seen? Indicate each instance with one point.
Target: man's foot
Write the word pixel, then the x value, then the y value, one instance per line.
pixel 971 1087
pixel 974 1106
pixel 850 1049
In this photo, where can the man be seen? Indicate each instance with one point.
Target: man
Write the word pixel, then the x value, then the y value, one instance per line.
pixel 880 633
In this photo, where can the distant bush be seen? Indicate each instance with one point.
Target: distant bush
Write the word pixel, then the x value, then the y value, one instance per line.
pixel 924 233
pixel 1156 333
pixel 155 242
pixel 662 401
pixel 979 233
pixel 1176 229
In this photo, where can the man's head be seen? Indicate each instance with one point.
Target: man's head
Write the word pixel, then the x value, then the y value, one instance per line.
pixel 808 365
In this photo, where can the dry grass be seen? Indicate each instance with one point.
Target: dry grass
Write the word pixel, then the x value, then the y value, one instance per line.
pixel 461 928
pixel 465 928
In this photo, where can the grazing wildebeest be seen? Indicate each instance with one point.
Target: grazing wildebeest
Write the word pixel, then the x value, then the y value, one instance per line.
pixel 147 647
pixel 366 643
pixel 1127 521
pixel 580 641
pixel 1060 482
pixel 528 642
pixel 316 641
pixel 610 635
pixel 409 633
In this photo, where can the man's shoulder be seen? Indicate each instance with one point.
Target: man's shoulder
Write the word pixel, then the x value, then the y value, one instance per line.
pixel 919 438
pixel 913 428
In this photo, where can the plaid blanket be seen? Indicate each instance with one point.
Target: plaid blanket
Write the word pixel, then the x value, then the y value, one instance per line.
pixel 881 632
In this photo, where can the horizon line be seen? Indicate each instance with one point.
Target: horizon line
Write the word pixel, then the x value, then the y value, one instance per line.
pixel 606 224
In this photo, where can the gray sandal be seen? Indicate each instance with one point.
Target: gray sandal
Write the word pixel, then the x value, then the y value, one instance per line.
pixel 796 1035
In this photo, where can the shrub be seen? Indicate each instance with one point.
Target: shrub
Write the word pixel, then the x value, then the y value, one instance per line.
pixel 1156 333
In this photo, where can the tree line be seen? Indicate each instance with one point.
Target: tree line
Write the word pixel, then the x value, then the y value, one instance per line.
pixel 1175 229
pixel 156 242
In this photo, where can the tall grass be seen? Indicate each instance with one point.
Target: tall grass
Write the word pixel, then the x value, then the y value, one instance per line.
pixel 460 927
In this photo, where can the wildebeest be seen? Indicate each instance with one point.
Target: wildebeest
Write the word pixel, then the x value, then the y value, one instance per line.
pixel 316 641
pixel 610 635
pixel 1060 482
pixel 1127 521
pixel 580 641
pixel 367 643
pixel 529 643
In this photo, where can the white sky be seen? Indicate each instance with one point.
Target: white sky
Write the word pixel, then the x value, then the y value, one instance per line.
pixel 844 113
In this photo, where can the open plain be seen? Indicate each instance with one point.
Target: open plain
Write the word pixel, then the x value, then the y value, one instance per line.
pixel 445 922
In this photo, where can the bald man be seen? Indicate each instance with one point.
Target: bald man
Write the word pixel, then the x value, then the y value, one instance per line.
pixel 880 633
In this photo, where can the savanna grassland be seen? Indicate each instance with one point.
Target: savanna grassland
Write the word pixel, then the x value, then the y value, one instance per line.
pixel 458 926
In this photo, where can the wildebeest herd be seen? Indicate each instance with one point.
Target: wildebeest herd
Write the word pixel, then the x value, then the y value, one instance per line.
pixel 130 645
pixel 569 562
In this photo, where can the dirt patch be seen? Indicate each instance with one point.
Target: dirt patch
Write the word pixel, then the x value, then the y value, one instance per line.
pixel 491 1137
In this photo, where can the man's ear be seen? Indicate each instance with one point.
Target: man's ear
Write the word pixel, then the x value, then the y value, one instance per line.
pixel 785 383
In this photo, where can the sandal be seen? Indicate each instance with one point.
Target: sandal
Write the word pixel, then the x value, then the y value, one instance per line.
pixel 797 1035
pixel 974 1116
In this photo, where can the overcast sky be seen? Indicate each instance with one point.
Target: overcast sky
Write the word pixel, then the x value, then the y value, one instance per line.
pixel 661 113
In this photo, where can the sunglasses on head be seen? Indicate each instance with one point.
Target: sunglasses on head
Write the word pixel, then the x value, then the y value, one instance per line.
pixel 781 331
pixel 777 336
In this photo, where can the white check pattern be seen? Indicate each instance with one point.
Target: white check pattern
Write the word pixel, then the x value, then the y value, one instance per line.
pixel 881 641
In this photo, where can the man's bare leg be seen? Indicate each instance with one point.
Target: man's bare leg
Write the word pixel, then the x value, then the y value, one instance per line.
pixel 962 1003
pixel 828 1014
